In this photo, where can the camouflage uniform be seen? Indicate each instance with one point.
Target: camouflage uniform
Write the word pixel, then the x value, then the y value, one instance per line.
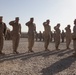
pixel 15 34
pixel 74 37
pixel 57 36
pixel 2 32
pixel 68 37
pixel 31 31
pixel 46 34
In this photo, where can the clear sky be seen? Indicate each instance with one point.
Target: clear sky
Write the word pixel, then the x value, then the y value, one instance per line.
pixel 58 11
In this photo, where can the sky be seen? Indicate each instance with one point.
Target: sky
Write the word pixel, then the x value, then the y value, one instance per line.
pixel 57 11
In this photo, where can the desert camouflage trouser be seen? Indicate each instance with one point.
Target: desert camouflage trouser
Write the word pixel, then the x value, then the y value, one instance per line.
pixel 68 41
pixel 15 41
pixel 57 41
pixel 30 40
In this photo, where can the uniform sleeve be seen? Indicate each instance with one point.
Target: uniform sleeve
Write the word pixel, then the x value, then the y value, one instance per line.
pixel 60 30
pixel 50 28
pixel 66 28
pixel 44 23
pixel 11 23
pixel 20 28
pixel 27 24
pixel 55 28
pixel 5 28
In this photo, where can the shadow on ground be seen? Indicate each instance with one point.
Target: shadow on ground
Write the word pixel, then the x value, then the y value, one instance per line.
pixel 25 56
pixel 58 66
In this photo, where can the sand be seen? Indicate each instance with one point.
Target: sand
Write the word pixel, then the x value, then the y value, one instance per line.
pixel 40 62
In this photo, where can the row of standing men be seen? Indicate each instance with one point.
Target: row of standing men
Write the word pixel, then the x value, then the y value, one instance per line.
pixel 38 36
pixel 16 32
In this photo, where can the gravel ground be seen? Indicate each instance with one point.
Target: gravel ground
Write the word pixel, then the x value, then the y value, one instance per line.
pixel 40 62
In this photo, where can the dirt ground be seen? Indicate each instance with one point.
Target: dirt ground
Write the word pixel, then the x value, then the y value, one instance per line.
pixel 40 62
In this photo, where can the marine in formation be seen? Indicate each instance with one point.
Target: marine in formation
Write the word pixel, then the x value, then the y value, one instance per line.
pixel 15 34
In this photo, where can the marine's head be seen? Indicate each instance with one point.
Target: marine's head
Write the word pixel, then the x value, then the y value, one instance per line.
pixel 17 19
pixel 62 30
pixel 31 20
pixel 68 26
pixel 48 21
pixel 58 25
pixel 1 18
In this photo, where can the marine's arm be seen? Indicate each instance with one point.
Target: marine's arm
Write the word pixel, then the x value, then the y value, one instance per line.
pixel 35 28
pixel 11 23
pixel 44 23
pixel 27 24
pixel 66 28
pixel 5 28
pixel 55 28
pixel 20 29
